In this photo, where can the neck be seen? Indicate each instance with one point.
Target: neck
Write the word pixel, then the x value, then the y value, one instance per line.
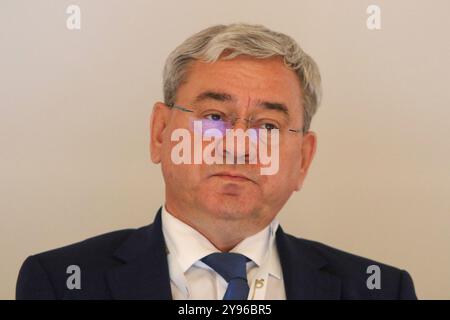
pixel 224 234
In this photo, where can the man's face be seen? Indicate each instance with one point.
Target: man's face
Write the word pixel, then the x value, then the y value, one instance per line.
pixel 213 192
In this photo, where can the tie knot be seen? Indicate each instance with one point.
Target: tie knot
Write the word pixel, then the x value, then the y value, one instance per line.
pixel 229 265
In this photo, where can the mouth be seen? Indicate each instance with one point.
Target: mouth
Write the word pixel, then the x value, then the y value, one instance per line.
pixel 232 176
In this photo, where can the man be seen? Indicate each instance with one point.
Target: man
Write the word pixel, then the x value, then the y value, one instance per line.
pixel 216 236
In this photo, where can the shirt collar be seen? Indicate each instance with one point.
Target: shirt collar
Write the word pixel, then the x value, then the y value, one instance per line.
pixel 189 246
pixel 185 243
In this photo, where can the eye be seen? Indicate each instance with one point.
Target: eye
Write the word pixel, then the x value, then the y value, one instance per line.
pixel 214 117
pixel 268 126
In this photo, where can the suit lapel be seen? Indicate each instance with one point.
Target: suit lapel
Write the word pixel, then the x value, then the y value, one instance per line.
pixel 144 272
pixel 304 271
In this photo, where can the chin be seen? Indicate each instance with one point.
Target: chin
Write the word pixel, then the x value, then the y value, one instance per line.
pixel 230 207
pixel 229 199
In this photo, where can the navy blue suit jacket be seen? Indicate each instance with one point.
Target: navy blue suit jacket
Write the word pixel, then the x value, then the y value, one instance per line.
pixel 132 264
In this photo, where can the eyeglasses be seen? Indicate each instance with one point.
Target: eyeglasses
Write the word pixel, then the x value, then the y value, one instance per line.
pixel 221 120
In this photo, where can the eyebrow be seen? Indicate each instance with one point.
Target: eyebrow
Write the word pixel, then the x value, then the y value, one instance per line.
pixel 278 106
pixel 214 95
pixel 225 97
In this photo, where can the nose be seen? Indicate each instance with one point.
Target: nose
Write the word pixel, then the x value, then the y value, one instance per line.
pixel 241 150
pixel 241 123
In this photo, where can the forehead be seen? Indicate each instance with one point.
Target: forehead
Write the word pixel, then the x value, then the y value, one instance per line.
pixel 247 78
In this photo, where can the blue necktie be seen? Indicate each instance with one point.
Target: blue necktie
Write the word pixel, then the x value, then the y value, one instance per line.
pixel 232 267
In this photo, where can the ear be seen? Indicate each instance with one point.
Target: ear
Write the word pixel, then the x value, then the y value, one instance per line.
pixel 158 123
pixel 309 145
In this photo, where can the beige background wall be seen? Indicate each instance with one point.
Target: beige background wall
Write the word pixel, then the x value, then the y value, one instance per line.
pixel 74 109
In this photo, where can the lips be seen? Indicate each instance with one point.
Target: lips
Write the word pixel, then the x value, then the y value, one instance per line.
pixel 233 176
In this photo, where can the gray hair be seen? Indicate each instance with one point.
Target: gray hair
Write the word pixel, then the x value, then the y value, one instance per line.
pixel 252 40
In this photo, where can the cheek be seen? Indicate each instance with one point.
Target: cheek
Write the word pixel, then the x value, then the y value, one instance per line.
pixel 275 191
pixel 174 174
pixel 183 176
pixel 290 164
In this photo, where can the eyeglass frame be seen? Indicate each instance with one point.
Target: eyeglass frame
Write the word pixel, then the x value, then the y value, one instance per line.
pixel 181 108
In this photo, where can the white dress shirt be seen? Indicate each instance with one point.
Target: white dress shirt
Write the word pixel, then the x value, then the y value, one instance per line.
pixel 190 278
